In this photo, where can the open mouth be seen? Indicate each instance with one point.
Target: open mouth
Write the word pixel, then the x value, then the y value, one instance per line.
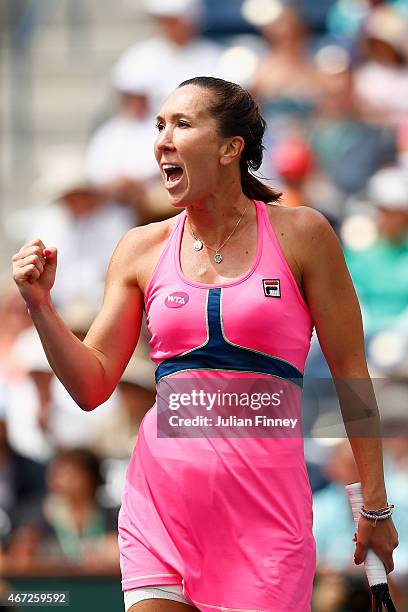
pixel 173 174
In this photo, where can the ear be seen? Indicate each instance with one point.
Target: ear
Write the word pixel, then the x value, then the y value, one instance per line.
pixel 231 150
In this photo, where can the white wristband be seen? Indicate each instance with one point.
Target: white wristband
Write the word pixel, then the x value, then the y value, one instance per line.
pixel 373 565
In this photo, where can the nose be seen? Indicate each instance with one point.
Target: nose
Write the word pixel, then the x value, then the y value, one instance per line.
pixel 164 140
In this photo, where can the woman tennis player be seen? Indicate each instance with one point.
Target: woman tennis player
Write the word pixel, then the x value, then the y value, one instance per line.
pixel 232 287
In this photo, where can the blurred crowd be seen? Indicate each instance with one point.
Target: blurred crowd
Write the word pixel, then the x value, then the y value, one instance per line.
pixel 334 91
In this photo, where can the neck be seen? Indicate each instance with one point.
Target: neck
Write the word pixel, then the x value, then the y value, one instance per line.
pixel 212 218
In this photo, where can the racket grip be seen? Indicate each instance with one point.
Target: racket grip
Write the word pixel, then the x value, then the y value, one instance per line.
pixel 373 565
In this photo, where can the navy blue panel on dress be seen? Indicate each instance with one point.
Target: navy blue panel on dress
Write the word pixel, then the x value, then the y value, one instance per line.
pixel 219 354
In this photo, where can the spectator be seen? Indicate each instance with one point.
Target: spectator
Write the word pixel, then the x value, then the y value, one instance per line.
pixel 348 148
pixel 83 225
pixel 303 184
pixel 41 415
pixel 382 78
pixel 20 477
pixel 28 399
pixel 294 162
pixel 14 319
pixel 334 548
pixel 335 592
pixel 68 525
pixel 286 81
pixel 380 272
pixel 119 157
pixel 175 53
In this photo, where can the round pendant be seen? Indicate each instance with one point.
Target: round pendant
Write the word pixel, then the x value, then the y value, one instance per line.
pixel 198 245
pixel 218 258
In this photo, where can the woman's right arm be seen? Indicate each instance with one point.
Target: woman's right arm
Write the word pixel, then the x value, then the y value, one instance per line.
pixel 89 370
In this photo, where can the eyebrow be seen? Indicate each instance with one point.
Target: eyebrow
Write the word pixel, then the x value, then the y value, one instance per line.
pixel 174 116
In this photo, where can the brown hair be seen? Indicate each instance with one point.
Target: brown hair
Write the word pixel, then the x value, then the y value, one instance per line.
pixel 237 114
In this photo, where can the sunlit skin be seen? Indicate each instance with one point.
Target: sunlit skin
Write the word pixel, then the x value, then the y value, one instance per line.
pixel 210 188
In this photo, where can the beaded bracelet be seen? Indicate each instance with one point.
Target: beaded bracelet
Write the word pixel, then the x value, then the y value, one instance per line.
pixel 377 515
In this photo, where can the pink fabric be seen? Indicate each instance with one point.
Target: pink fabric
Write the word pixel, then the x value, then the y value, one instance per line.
pixel 229 518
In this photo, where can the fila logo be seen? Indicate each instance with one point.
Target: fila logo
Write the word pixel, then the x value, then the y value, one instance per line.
pixel 177 299
pixel 271 287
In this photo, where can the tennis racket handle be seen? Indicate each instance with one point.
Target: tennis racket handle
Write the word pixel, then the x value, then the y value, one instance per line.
pixel 373 565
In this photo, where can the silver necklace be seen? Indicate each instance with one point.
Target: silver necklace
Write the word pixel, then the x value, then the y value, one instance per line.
pixel 198 244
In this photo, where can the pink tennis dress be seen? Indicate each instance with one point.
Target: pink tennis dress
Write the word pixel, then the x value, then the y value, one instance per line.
pixel 227 517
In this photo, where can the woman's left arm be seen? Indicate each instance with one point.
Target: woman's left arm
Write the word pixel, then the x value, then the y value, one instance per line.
pixel 335 311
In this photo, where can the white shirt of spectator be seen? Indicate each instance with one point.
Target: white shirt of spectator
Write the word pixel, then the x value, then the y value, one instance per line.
pixel 69 426
pixel 122 148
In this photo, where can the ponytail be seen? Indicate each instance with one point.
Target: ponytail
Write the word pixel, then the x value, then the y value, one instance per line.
pixel 254 189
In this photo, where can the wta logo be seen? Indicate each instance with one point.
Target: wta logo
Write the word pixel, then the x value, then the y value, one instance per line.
pixel 177 299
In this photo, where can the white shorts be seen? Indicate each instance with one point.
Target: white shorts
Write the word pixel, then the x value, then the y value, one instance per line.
pixel 167 591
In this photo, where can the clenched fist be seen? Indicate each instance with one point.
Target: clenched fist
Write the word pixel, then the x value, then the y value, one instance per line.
pixel 34 268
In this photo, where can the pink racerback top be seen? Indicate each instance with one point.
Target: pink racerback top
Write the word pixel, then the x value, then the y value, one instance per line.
pixel 229 518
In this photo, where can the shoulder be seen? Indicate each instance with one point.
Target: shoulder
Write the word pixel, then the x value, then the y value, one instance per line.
pixel 301 221
pixel 306 232
pixel 302 218
pixel 141 246
pixel 140 239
